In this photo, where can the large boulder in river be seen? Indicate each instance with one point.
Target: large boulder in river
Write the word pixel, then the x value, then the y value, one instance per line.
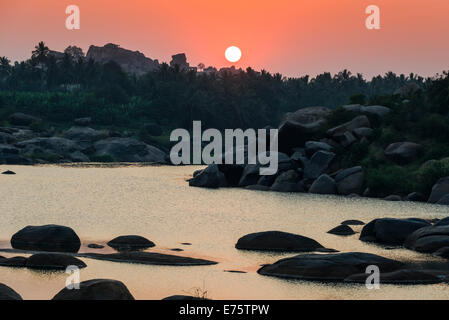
pixel 53 261
pixel 85 136
pixel 7 293
pixel 132 242
pixel 287 181
pixel 211 177
pixel 318 164
pixel 357 122
pixel 439 190
pixel 323 185
pixel 391 231
pixel 21 119
pixel 350 181
pixel 295 128
pixel 129 150
pixel 96 289
pixel 328 267
pixel 46 238
pixel 403 152
pixel 277 241
pixel 428 239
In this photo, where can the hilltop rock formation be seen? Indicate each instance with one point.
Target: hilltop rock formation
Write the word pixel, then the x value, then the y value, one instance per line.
pixel 131 61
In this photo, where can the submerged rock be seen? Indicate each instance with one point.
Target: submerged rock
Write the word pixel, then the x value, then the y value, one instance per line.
pixel 277 241
pixel 391 231
pixel 7 293
pixel 130 242
pixel 96 289
pixel 95 246
pixel 342 230
pixel 8 172
pixel 53 261
pixel 402 277
pixel 328 267
pixel 184 297
pixel 46 238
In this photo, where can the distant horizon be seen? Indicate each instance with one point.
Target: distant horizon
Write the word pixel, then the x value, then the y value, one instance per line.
pixel 290 37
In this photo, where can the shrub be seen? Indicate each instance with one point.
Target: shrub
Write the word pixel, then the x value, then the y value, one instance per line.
pixel 388 180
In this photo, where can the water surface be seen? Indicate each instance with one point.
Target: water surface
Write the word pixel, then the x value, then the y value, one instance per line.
pixel 157 203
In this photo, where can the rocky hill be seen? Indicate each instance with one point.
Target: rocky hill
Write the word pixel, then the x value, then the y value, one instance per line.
pixel 131 61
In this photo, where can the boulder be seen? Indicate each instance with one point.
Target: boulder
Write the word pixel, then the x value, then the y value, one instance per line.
pixel 129 150
pixel 403 152
pixel 211 177
pixel 444 200
pixel 96 289
pixel 21 119
pixel 46 238
pixel 295 128
pixel 393 197
pixel 7 293
pixel 85 136
pixel 345 139
pixel 402 277
pixel 439 190
pixel 442 252
pixel 318 164
pixel 277 241
pixel 442 222
pixel 380 111
pixel 14 262
pixel 342 230
pixel 83 122
pixel 428 239
pixel 55 145
pixel 391 231
pixel 6 138
pixel 287 182
pixel 8 172
pixel 78 156
pixel 353 223
pixel 53 261
pixel 350 181
pixel 328 267
pixel 357 122
pixel 415 196
pixel 363 132
pixel 313 146
pixel 129 243
pixel 323 185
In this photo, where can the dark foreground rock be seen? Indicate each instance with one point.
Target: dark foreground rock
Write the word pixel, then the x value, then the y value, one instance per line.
pixel 391 231
pixel 402 277
pixel 8 172
pixel 7 293
pixel 46 238
pixel 211 177
pixel 53 261
pixel 149 258
pixel 131 242
pixel 278 241
pixel 97 289
pixel 342 230
pixel 14 262
pixel 328 267
pixel 428 239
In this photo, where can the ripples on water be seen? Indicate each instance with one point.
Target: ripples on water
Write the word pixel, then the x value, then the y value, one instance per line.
pixel 157 203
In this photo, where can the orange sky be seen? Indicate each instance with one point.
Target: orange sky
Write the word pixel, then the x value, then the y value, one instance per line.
pixel 293 37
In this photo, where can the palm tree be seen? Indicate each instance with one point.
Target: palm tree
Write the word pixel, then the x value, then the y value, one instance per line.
pixel 40 52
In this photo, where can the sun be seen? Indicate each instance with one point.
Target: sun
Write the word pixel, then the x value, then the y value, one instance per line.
pixel 233 54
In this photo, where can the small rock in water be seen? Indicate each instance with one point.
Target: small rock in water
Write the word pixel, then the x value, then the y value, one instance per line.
pixel 342 230
pixel 95 246
pixel 8 172
pixel 186 243
pixel 125 243
pixel 176 249
pixel 353 223
pixel 234 271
